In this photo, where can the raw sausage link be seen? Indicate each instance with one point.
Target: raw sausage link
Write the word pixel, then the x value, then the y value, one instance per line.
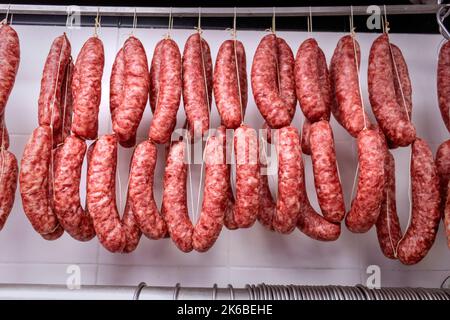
pixel 289 179
pixel 215 196
pixel 66 196
pixel 132 231
pixel 101 196
pixel 344 76
pixel 86 88
pixel 10 58
pixel 443 85
pixel 421 232
pixel 405 82
pixel 175 198
pixel 166 85
pixel 326 172
pixel 66 107
pixel 8 184
pixel 310 222
pixel 306 131
pixel 197 64
pixel 231 93
pixel 391 116
pixel 229 220
pixel 49 104
pixel 312 81
pixel 273 81
pixel 389 232
pixel 4 135
pixel 247 176
pixel 35 181
pixel 369 191
pixel 128 113
pixel 140 191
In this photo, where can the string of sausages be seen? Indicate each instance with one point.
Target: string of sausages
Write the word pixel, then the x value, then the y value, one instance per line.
pixel 68 107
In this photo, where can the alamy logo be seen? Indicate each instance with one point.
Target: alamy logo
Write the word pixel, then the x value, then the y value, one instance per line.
pixel 73 17
pixel 374 20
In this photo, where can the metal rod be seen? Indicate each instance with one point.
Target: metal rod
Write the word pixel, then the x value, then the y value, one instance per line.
pixel 214 12
pixel 261 291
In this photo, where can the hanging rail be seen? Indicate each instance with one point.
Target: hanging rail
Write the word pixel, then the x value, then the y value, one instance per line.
pixel 249 292
pixel 215 12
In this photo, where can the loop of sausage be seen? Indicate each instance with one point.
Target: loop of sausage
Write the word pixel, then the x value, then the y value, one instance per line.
pixel 114 233
pixel 283 215
pixel 10 58
pixel 66 195
pixel 421 232
pixel 443 83
pixel 49 104
pixel 197 84
pixel 86 88
pixel 391 115
pixel 365 207
pixel 388 228
pixel 347 107
pixel 231 92
pixel 312 81
pixel 273 81
pixel 165 90
pixel 326 174
pixel 35 181
pixel 310 222
pixel 185 236
pixel 246 151
pixel 306 131
pixel 443 169
pixel 141 198
pixel 8 184
pixel 129 88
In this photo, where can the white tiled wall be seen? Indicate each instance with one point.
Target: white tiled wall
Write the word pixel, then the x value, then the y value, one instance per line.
pixel 238 257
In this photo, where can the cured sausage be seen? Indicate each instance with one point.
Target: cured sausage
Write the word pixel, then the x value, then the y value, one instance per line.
pixel 273 81
pixel 140 192
pixel 365 207
pixel 443 169
pixel 443 84
pixel 86 88
pixel 165 86
pixel 129 87
pixel 181 230
pixel 197 84
pixel 312 81
pixel 326 172
pixel 8 184
pixel 215 196
pixel 66 195
pixel 49 103
pixel 35 181
pixel 114 233
pixel 344 67
pixel 66 107
pixel 10 58
pixel 246 151
pixel 421 232
pixel 306 131
pixel 310 222
pixel 230 83
pixel 388 228
pixel 392 117
pixel 283 215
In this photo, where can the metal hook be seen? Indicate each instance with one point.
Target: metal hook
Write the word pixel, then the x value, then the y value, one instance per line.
pixel 138 290
pixel 442 13
pixel 176 291
pixel 214 293
pixel 231 291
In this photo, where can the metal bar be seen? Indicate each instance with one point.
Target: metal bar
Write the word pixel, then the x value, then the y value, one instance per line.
pixel 215 12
